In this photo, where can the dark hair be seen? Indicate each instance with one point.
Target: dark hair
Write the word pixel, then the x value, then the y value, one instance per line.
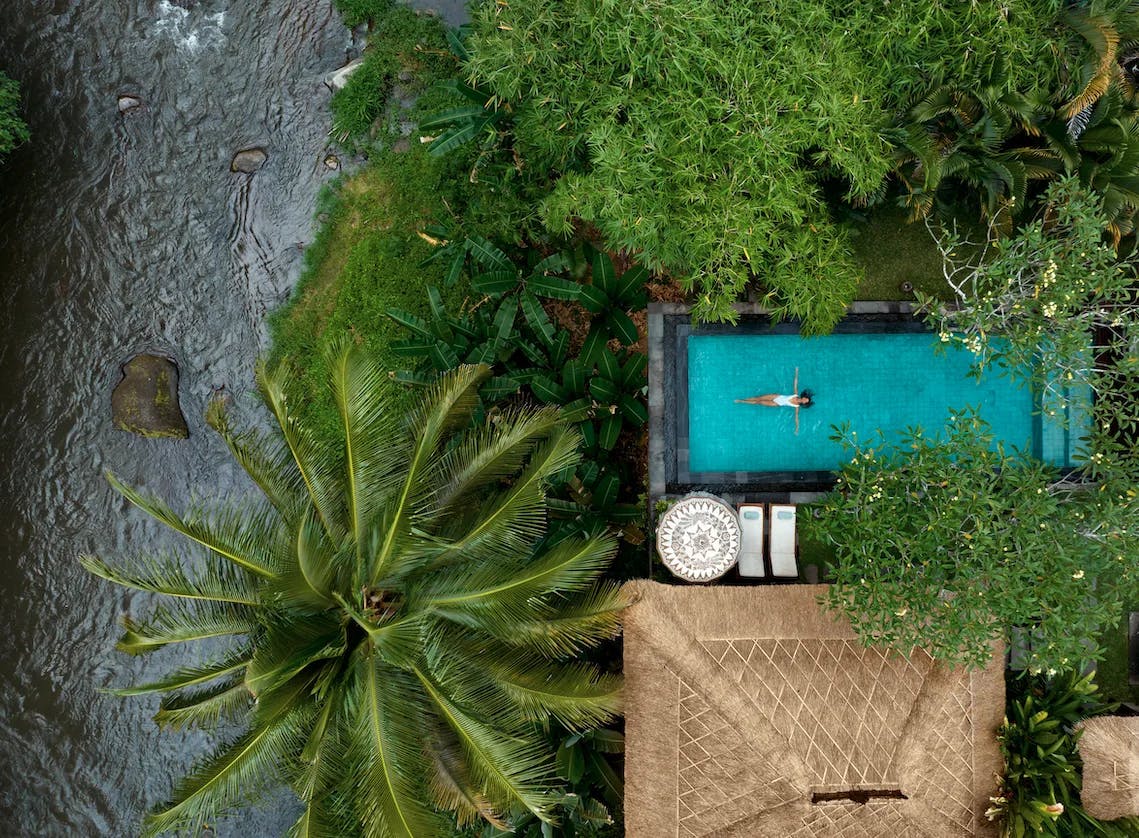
pixel 809 396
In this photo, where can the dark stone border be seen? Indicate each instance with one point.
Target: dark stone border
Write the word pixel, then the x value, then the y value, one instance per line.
pixel 669 326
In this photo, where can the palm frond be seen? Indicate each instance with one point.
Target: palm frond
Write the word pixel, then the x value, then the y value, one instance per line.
pixel 510 521
pixel 384 751
pixel 166 575
pixel 525 685
pixel 448 408
pixel 322 818
pixel 360 390
pixel 319 466
pixel 451 783
pixel 571 565
pixel 491 454
pixel 237 535
pixel 562 629
pixel 1101 34
pixel 192 676
pixel 289 643
pixel 265 459
pixel 233 773
pixel 183 625
pixel 204 708
pixel 507 768
pixel 575 694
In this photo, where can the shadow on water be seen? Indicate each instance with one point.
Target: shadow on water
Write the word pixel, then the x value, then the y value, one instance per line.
pixel 123 232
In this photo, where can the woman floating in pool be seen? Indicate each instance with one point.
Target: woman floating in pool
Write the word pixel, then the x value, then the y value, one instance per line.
pixel 804 400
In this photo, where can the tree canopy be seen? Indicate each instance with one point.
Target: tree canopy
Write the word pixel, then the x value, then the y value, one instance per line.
pixel 948 541
pixel 704 136
pixel 400 625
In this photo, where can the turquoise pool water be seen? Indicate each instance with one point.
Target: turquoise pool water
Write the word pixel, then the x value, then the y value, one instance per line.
pixel 888 381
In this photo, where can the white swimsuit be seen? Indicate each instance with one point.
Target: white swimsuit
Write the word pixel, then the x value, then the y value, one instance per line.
pixel 784 401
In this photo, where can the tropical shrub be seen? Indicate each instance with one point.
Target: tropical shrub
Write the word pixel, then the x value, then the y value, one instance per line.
pixel 954 143
pixel 391 49
pixel 602 389
pixel 1040 789
pixel 699 134
pixel 947 541
pixel 400 627
pixel 13 131
pixel 993 142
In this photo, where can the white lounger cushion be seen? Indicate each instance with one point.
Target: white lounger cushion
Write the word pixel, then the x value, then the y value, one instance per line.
pixel 783 541
pixel 751 541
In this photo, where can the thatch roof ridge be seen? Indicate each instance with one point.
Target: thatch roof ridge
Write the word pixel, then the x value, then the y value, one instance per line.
pixel 1109 748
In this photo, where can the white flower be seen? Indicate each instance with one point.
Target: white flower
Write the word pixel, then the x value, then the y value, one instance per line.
pixel 1079 574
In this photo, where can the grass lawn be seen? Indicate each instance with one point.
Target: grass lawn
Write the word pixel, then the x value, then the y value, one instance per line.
pixel 891 251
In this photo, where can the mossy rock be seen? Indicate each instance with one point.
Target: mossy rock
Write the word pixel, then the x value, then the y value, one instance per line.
pixel 145 401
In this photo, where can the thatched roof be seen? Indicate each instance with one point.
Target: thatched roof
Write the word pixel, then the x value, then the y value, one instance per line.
pixel 744 702
pixel 1109 748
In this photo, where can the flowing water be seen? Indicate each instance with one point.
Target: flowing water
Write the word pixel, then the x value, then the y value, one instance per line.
pixel 121 233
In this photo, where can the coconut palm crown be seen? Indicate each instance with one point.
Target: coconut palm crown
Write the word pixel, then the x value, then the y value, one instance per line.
pixel 400 624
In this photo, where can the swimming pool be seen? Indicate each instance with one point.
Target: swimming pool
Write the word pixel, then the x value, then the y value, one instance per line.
pixel 887 380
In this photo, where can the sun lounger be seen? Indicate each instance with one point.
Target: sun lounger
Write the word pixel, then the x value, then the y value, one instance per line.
pixel 751 540
pixel 784 547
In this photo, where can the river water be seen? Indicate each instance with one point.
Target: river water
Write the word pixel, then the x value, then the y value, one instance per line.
pixel 122 233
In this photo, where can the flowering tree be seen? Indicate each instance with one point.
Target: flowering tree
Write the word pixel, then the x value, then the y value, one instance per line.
pixel 947 541
pixel 1054 302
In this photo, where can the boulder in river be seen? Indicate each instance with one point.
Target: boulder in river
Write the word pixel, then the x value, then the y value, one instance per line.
pixel 128 103
pixel 338 78
pixel 248 160
pixel 145 401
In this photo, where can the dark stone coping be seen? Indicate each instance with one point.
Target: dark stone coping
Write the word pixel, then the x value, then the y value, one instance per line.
pixel 669 327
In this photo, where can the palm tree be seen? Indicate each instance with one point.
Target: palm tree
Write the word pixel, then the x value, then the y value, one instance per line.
pixel 401 625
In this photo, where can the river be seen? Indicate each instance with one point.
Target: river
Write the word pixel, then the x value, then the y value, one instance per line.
pixel 121 233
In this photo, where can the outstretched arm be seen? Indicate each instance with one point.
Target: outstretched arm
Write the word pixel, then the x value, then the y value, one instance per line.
pixel 795 387
pixel 796 420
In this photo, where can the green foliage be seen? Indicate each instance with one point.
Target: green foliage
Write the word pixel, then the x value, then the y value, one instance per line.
pixel 993 142
pixel 698 135
pixel 373 249
pixel 945 542
pixel 952 139
pixel 1040 790
pixel 356 12
pixel 396 613
pixel 602 389
pixel 13 131
pixel 400 40
pixel 589 764
pixel 1046 302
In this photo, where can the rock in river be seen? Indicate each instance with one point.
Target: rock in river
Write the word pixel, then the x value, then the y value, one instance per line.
pixel 145 401
pixel 128 103
pixel 248 160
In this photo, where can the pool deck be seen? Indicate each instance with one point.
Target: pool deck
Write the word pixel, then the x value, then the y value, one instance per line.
pixel 668 325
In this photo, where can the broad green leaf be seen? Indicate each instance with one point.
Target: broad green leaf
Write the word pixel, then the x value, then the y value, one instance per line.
pixel 604 277
pixel 609 431
pixel 554 287
pixel 622 327
pixel 495 283
pixel 546 390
